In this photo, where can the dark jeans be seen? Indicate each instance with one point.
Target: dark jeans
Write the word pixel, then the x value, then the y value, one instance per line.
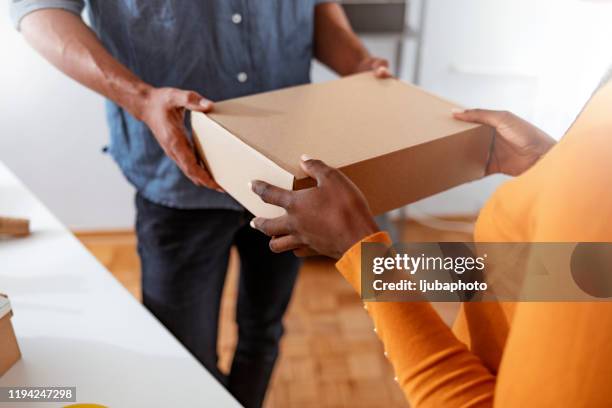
pixel 184 255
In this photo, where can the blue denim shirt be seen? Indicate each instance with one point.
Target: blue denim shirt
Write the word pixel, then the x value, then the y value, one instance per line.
pixel 219 48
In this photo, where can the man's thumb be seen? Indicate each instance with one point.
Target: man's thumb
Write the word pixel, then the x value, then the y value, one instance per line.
pixel 196 102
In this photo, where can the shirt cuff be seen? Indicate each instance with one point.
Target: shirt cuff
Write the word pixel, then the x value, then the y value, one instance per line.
pixel 350 263
pixel 21 8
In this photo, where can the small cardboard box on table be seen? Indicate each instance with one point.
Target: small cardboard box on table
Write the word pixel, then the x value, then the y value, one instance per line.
pixel 16 227
pixel 9 350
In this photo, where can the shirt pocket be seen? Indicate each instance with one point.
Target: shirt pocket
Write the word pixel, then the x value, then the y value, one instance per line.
pixel 152 11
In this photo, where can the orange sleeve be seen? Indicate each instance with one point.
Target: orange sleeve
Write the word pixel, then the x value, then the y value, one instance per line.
pixel 556 354
pixel 559 354
pixel 433 368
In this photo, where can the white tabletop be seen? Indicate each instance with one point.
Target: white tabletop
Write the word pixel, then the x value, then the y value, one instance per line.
pixel 77 326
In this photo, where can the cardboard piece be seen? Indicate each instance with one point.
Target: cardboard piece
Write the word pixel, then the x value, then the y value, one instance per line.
pixel 18 227
pixel 396 142
pixel 9 350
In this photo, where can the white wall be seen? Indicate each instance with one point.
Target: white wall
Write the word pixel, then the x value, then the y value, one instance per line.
pixel 539 58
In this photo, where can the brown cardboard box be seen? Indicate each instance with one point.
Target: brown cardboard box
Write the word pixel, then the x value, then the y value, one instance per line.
pixel 9 350
pixel 397 142
pixel 18 227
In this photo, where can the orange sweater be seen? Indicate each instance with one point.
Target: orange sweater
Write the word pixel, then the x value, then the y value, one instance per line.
pixel 523 354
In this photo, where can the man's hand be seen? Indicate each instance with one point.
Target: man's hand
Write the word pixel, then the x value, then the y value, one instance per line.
pixel 338 47
pixel 379 66
pixel 327 219
pixel 518 145
pixel 163 110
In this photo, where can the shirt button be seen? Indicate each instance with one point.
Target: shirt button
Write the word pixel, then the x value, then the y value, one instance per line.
pixel 236 18
pixel 242 77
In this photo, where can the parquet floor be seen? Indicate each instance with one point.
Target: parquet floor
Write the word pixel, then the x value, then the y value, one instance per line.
pixel 330 356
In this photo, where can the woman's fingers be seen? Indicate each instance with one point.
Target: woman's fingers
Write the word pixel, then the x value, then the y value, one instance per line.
pixel 271 194
pixel 483 116
pixel 315 168
pixel 304 252
pixel 272 227
pixel 285 243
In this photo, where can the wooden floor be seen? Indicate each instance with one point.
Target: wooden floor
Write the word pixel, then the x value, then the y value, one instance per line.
pixel 330 356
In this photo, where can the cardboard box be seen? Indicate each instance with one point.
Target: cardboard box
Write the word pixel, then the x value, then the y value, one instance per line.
pixel 18 227
pixel 396 142
pixel 9 350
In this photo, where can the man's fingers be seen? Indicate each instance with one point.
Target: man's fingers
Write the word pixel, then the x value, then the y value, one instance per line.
pixel 181 152
pixel 315 168
pixel 382 73
pixel 203 178
pixel 199 175
pixel 381 68
pixel 271 194
pixel 379 63
pixel 483 116
pixel 272 227
pixel 194 101
pixel 284 243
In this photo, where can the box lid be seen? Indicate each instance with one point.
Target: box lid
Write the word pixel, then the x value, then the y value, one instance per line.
pixel 341 122
pixel 5 306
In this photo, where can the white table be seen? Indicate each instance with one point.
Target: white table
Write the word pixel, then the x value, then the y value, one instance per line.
pixel 77 326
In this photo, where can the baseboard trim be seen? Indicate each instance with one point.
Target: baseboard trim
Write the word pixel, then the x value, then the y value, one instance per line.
pixel 117 236
pixel 127 236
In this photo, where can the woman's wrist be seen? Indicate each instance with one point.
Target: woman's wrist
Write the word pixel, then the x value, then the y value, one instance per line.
pixel 357 233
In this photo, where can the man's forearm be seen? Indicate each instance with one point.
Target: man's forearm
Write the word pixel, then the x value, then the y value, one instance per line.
pixel 336 45
pixel 65 41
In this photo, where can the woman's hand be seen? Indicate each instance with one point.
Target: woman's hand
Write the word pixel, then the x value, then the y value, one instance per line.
pixel 518 144
pixel 327 219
